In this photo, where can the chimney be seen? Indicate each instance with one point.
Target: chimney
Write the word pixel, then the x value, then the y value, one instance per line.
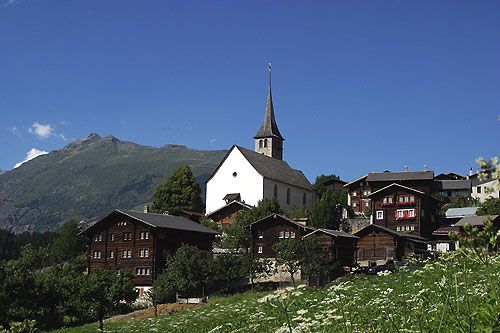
pixel 146 209
pixel 425 168
pixel 405 168
pixel 471 172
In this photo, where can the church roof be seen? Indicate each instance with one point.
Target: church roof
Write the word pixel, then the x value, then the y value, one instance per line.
pixel 269 127
pixel 272 168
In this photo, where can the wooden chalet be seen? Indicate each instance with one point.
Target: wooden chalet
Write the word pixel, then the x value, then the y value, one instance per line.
pixel 404 209
pixel 377 243
pixel 338 244
pixel 140 242
pixel 272 229
pixel 357 197
pixel 227 214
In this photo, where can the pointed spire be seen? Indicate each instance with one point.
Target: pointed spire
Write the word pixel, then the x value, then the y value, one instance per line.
pixel 269 127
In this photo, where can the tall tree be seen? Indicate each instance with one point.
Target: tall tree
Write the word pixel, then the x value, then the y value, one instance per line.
pixel 321 180
pixel 490 206
pixel 179 192
pixel 289 253
pixel 327 212
pixel 69 244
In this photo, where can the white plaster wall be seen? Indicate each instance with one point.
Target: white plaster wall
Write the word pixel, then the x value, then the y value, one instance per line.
pixel 248 182
pixel 295 195
pixel 490 189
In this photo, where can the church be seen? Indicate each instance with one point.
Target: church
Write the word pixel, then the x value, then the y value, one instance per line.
pixel 248 176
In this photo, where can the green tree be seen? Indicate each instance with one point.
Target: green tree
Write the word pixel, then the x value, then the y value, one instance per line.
pixel 490 206
pixel 238 235
pixel 231 269
pixel 289 253
pixel 162 288
pixel 299 212
pixel 327 212
pixel 69 243
pixel 102 293
pixel 179 192
pixel 321 180
pixel 188 271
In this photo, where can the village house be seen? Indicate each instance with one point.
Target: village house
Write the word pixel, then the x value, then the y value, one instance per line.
pixel 339 245
pixel 249 176
pixel 140 242
pixel 227 214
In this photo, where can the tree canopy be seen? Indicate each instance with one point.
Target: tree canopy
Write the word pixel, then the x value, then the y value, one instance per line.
pixel 327 212
pixel 490 206
pixel 179 192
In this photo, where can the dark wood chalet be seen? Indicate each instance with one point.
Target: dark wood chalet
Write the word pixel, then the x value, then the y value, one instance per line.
pixel 140 242
pixel 419 180
pixel 377 243
pixel 357 196
pixel 227 214
pixel 272 229
pixel 338 244
pixel 404 209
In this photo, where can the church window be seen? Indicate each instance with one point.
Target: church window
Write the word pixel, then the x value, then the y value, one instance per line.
pixel 260 143
pixel 265 143
pixel 276 191
pixel 304 199
pixel 288 196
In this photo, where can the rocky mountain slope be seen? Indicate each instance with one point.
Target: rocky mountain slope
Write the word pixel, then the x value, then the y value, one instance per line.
pixel 90 177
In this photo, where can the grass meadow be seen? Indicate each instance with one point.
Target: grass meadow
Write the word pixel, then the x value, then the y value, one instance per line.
pixel 457 293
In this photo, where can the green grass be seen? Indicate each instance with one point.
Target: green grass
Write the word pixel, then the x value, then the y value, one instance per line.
pixel 457 293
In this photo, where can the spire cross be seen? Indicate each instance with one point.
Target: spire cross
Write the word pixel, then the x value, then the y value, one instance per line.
pixel 269 67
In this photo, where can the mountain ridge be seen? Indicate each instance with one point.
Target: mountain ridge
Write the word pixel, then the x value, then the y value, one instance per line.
pixel 91 176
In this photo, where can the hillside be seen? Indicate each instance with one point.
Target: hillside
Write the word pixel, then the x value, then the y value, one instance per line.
pixel 89 177
pixel 458 293
pixel 1 171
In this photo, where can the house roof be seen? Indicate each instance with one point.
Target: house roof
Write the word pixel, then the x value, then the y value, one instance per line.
pixel 355 180
pixel 399 176
pixel 475 220
pixel 269 128
pixel 286 219
pixel 231 204
pixel 275 169
pixel 334 233
pixel 449 176
pixel 460 212
pixel 398 185
pixel 445 230
pixel 162 221
pixel 443 185
pixel 413 238
pixel 232 197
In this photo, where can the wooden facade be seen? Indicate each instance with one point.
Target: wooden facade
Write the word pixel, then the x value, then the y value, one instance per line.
pixel 405 210
pixel 272 229
pixel 338 244
pixel 141 242
pixel 378 243
pixel 227 215
pixel 358 192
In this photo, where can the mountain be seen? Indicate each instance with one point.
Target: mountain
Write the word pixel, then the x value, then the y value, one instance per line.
pixel 90 177
pixel 1 171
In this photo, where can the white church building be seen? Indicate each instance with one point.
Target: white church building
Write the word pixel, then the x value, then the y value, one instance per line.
pixel 249 176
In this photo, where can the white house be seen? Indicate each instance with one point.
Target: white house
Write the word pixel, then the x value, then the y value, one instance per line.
pixel 249 176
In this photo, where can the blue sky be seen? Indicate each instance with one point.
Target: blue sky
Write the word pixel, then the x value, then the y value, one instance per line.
pixel 358 86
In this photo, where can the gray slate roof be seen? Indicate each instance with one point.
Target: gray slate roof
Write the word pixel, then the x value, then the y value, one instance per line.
pixel 460 212
pixel 269 127
pixel 398 176
pixel 444 185
pixel 275 169
pixel 411 237
pixel 168 221
pixel 334 233
pixel 475 220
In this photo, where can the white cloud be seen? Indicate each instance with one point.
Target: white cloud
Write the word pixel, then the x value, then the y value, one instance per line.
pixel 8 3
pixel 212 141
pixel 63 136
pixel 14 131
pixel 41 130
pixel 31 154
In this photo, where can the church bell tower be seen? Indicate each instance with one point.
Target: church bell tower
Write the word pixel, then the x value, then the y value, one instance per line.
pixel 268 140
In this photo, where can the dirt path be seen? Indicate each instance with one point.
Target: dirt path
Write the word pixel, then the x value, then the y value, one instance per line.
pixel 163 309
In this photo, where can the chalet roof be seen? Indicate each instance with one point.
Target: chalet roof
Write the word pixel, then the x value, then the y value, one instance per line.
pixel 460 212
pixel 160 221
pixel 285 219
pixel 413 238
pixel 269 128
pixel 356 180
pixel 475 220
pixel 231 204
pixel 399 176
pixel 444 185
pixel 443 231
pixel 334 233
pixel 449 176
pixel 398 185
pixel 275 169
pixel 232 197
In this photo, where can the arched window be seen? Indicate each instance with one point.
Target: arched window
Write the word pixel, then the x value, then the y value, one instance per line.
pixel 265 143
pixel 304 199
pixel 276 191
pixel 260 143
pixel 288 196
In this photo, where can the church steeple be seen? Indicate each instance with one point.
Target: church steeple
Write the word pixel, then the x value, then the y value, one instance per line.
pixel 268 140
